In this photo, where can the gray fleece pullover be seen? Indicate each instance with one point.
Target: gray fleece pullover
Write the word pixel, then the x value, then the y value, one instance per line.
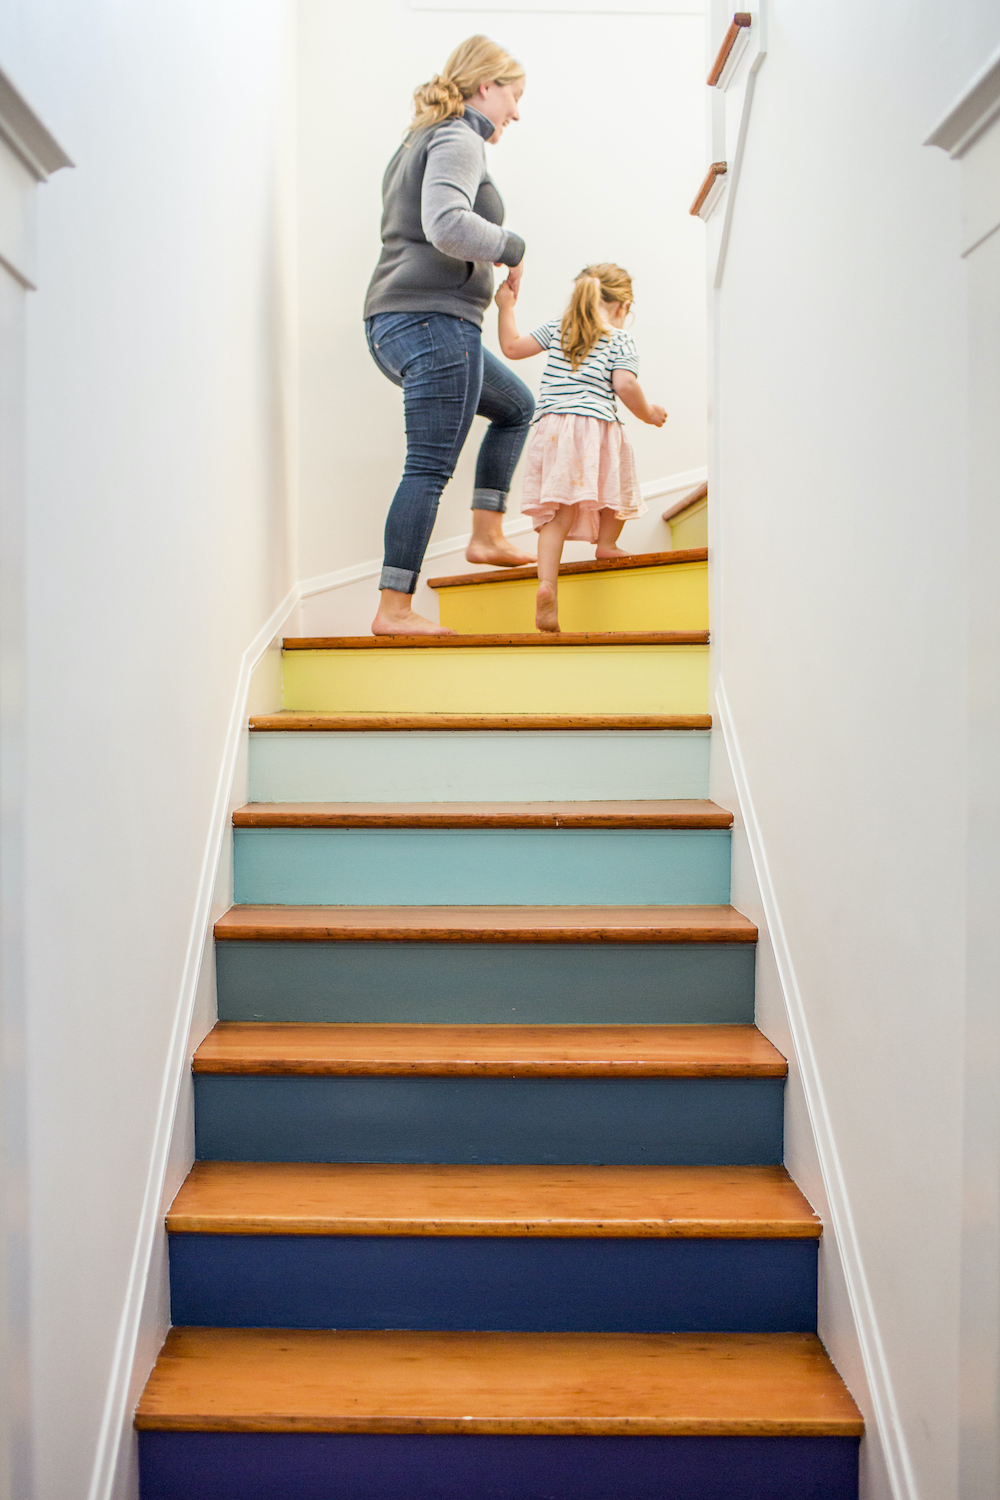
pixel 441 224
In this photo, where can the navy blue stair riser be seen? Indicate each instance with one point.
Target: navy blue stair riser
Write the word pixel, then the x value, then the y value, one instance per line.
pixel 493 1283
pixel 558 1121
pixel 599 983
pixel 481 866
pixel 349 1466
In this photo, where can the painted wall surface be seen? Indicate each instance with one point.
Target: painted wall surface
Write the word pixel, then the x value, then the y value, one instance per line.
pixel 159 536
pixel 602 166
pixel 839 474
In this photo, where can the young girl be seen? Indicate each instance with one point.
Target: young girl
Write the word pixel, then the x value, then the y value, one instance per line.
pixel 580 477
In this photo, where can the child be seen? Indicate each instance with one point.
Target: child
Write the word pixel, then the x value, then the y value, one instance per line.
pixel 579 477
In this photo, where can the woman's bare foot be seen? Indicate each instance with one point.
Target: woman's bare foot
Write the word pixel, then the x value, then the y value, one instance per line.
pixel 489 545
pixel 606 552
pixel 499 554
pixel 546 608
pixel 396 616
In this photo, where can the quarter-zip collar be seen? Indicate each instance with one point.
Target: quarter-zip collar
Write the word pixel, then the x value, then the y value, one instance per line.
pixel 478 122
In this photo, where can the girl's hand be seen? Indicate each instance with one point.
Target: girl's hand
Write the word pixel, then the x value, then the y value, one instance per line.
pixel 505 295
pixel 657 416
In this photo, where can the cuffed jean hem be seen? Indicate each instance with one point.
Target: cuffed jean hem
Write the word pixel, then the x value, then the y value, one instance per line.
pixel 489 500
pixel 403 580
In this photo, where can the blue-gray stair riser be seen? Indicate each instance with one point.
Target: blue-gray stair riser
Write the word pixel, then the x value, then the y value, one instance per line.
pixel 349 1466
pixel 493 1282
pixel 481 866
pixel 601 983
pixel 701 1121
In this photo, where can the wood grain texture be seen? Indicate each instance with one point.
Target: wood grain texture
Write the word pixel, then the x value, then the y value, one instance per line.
pixel 638 1385
pixel 323 1198
pixel 742 18
pixel 717 169
pixel 485 924
pixel 534 639
pixel 673 814
pixel 298 720
pixel 393 1049
pixel 568 570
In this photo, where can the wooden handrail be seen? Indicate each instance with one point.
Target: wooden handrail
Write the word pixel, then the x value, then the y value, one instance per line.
pixel 741 19
pixel 716 170
pixel 701 493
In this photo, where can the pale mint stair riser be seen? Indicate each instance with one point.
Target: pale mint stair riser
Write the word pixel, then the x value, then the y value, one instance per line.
pixel 514 765
pixel 482 866
pixel 489 983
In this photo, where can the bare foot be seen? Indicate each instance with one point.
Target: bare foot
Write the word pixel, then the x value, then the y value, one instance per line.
pixel 499 554
pixel 546 609
pixel 606 552
pixel 406 622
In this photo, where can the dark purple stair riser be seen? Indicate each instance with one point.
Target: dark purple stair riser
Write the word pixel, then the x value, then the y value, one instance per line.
pixel 327 1466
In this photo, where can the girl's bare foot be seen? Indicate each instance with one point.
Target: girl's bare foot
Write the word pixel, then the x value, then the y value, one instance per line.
pixel 499 554
pixel 546 608
pixel 606 552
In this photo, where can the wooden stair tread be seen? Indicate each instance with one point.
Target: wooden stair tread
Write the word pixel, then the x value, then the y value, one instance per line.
pixel 486 924
pixel 318 1380
pixel 292 719
pixel 333 1198
pixel 331 1049
pixel 639 814
pixel 532 639
pixel 568 570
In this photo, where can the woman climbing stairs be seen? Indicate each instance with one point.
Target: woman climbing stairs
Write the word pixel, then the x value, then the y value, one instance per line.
pixel 489 1198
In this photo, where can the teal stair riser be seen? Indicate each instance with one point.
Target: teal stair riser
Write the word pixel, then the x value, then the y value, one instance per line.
pixel 482 866
pixel 472 766
pixel 554 983
pixel 558 1121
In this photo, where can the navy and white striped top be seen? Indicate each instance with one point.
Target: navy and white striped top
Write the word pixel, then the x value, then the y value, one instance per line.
pixel 586 391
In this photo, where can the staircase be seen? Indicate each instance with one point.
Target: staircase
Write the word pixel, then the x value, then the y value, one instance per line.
pixel 489 1202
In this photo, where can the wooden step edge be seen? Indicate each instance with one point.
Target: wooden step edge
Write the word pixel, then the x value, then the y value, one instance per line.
pixel 290 720
pixel 716 1427
pixel 569 570
pixel 534 639
pixel 474 925
pixel 625 815
pixel 308 1227
pixel 269 1066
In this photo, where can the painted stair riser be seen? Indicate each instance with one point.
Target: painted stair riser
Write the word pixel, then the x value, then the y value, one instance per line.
pixel 497 679
pixel 506 1283
pixel 317 1466
pixel 558 1121
pixel 666 598
pixel 556 983
pixel 481 866
pixel 690 528
pixel 529 765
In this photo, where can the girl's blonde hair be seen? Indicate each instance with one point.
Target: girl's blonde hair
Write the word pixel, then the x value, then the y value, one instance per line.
pixel 582 324
pixel 474 61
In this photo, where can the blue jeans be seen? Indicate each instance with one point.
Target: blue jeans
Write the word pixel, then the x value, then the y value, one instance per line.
pixel 447 378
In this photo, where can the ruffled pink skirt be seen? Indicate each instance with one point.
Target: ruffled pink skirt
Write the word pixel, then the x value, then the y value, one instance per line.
pixel 581 461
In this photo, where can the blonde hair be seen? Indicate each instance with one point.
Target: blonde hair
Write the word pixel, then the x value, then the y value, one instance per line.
pixel 582 324
pixel 474 61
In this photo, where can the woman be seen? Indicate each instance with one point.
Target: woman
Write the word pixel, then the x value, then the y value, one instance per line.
pixel 441 234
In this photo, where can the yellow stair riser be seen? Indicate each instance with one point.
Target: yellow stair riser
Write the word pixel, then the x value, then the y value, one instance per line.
pixel 666 598
pixel 497 679
pixel 690 528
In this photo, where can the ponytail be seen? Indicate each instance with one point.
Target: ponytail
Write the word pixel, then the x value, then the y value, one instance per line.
pixel 583 325
pixel 474 61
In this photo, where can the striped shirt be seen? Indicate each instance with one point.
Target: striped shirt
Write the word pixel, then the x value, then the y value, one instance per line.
pixel 586 391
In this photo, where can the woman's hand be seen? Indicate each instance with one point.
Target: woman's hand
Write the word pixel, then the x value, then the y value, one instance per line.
pixel 514 275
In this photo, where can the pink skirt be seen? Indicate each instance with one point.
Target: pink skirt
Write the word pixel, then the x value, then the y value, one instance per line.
pixel 581 461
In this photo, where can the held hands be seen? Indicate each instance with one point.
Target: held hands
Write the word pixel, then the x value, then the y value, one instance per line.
pixel 506 295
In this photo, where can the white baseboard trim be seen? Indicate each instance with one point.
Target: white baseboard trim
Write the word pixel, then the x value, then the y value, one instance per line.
pixel 890 1430
pixel 322 583
pixel 117 1415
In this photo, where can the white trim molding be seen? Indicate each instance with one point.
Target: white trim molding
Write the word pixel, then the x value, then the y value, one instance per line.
pixel 890 1434
pixel 976 107
pixel 26 135
pixel 115 1429
pixel 571 7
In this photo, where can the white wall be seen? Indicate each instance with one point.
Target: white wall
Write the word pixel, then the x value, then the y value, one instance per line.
pixel 160 539
pixel 839 473
pixel 602 166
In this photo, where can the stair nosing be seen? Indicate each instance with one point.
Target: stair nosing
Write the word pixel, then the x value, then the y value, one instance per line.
pixel 293 720
pixel 638 560
pixel 501 641
pixel 690 813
